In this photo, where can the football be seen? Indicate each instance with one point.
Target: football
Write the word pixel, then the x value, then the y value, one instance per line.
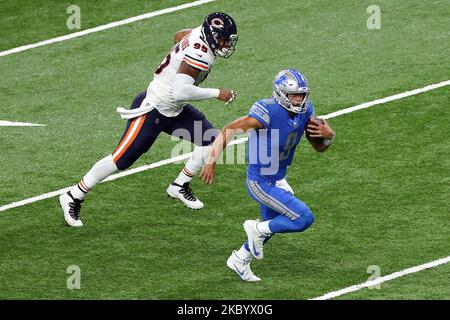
pixel 308 134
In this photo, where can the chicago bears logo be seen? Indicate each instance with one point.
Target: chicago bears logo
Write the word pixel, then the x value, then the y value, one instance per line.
pixel 217 23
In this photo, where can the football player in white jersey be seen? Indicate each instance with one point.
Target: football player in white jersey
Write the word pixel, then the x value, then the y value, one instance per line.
pixel 164 107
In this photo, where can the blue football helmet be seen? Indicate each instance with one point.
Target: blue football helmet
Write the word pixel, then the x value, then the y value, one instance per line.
pixel 288 82
pixel 217 26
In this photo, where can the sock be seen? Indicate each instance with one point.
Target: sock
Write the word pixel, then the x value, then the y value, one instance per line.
pixel 185 176
pixel 194 164
pixel 101 170
pixel 78 191
pixel 244 252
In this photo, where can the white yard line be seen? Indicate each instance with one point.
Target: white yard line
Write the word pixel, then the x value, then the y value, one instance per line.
pixel 19 124
pixel 379 280
pixel 387 99
pixel 242 140
pixel 105 27
pixel 110 178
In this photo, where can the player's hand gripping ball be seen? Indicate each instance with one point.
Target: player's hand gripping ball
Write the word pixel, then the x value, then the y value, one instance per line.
pixel 313 123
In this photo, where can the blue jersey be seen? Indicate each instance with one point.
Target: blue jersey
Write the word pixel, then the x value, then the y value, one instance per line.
pixel 271 148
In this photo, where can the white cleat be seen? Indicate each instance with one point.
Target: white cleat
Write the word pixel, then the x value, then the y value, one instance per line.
pixel 185 195
pixel 242 267
pixel 255 238
pixel 71 208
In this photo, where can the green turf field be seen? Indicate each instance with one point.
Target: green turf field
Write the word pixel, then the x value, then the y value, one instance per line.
pixel 380 193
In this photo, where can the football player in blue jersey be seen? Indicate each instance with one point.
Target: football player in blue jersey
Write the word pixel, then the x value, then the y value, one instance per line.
pixel 275 127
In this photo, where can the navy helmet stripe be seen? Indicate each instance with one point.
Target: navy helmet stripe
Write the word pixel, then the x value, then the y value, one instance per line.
pixel 301 80
pixel 293 71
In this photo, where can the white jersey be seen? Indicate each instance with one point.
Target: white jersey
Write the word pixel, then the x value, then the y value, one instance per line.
pixel 192 49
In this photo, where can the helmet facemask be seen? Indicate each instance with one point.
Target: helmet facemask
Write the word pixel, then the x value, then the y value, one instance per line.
pixel 228 50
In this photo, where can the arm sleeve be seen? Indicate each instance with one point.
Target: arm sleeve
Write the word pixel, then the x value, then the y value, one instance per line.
pixel 184 89
pixel 260 113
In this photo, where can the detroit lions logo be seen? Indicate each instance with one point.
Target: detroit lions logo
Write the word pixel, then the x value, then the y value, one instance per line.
pixel 281 80
pixel 218 23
